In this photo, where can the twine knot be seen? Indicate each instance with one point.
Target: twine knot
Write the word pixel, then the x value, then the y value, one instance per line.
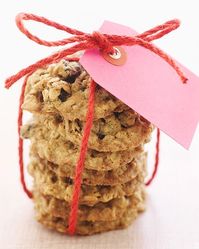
pixel 102 42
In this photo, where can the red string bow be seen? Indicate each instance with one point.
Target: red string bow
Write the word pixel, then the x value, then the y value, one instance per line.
pixel 83 41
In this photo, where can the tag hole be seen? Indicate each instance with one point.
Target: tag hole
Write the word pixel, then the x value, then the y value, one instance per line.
pixel 116 55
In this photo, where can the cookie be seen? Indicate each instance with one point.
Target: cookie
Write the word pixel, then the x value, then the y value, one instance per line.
pixel 119 132
pixel 137 167
pixel 107 135
pixel 87 227
pixel 63 88
pixel 109 211
pixel 48 183
pixel 59 151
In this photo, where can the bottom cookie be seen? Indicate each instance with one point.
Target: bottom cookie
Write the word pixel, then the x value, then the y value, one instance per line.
pixel 118 213
pixel 86 227
pixel 112 210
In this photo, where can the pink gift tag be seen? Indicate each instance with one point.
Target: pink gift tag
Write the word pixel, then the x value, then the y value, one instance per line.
pixel 147 84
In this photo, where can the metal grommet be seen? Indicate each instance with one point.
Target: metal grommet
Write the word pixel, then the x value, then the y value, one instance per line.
pixel 118 58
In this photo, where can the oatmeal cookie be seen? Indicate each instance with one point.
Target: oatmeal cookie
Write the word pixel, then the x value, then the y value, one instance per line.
pixel 123 131
pixel 136 168
pixel 63 88
pixel 48 183
pixel 109 211
pixel 115 133
pixel 59 151
pixel 87 227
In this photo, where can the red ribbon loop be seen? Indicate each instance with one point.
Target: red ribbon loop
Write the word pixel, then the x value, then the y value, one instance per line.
pixel 30 17
pixel 85 41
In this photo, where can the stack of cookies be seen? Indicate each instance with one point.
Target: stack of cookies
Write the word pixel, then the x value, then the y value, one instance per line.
pixel 112 191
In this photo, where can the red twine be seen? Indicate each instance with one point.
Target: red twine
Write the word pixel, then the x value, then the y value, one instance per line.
pixel 155 169
pixel 20 146
pixel 83 41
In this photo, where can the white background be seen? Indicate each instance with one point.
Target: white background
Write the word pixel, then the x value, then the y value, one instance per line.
pixel 172 217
